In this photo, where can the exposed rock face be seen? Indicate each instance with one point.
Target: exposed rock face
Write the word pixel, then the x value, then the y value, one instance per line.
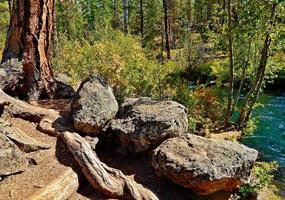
pixel 11 157
pixel 94 105
pixel 142 123
pixel 204 165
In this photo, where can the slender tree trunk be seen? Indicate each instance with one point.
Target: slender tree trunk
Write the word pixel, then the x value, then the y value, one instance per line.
pixel 243 76
pixel 254 92
pixel 231 80
pixel 240 87
pixel 116 23
pixel 28 42
pixel 162 42
pixel 142 22
pixel 251 96
pixel 126 15
pixel 166 29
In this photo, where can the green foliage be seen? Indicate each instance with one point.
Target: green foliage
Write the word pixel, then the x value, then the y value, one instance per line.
pixel 120 59
pixel 262 178
pixel 4 23
pixel 251 126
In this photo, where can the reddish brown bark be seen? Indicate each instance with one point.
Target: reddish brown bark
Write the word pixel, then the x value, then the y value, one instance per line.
pixel 29 40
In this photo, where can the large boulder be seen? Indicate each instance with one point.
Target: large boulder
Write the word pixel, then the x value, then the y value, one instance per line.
pixel 12 160
pixel 93 106
pixel 204 165
pixel 142 123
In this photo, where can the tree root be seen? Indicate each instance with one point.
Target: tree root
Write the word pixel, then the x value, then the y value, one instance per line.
pixel 109 181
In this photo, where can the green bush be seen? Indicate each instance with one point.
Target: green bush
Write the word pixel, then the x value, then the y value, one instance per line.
pixel 262 177
pixel 4 23
pixel 120 59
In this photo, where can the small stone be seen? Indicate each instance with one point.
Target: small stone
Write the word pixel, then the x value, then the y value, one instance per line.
pixel 32 161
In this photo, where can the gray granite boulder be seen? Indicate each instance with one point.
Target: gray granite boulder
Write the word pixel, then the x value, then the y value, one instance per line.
pixel 93 106
pixel 142 123
pixel 204 165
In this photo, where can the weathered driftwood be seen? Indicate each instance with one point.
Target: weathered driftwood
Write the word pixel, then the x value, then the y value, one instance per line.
pixel 61 188
pixel 109 181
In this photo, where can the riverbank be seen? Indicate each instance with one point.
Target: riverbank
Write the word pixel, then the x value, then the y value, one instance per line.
pixel 269 138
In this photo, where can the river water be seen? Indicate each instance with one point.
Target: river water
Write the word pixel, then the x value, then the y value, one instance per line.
pixel 269 138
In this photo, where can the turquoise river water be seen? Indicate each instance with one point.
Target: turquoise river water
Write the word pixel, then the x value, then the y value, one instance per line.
pixel 269 138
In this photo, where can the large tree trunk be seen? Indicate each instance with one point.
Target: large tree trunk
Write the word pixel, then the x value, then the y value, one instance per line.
pixel 28 43
pixel 166 29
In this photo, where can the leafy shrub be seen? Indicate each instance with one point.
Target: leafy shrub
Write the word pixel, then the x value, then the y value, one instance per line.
pixel 251 126
pixel 120 59
pixel 4 23
pixel 262 178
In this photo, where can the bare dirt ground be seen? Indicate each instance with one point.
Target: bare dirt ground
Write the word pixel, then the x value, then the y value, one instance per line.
pixel 46 165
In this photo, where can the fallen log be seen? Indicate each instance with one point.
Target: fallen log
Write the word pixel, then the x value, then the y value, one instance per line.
pixel 61 188
pixel 109 181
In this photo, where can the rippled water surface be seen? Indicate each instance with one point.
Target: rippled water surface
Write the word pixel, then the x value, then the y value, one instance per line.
pixel 269 139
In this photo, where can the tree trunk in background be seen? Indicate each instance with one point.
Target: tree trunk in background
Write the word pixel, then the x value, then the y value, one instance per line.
pixel 231 78
pixel 142 23
pixel 254 91
pixel 116 23
pixel 166 29
pixel 28 43
pixel 126 15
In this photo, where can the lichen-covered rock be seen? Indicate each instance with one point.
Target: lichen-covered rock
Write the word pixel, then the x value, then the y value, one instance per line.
pixel 12 160
pixel 204 165
pixel 142 123
pixel 93 106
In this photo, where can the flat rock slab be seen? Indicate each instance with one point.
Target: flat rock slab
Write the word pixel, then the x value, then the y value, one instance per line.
pixel 204 165
pixel 12 160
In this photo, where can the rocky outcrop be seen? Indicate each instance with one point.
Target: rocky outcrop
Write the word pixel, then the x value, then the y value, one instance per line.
pixel 204 165
pixel 142 123
pixel 12 160
pixel 94 105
